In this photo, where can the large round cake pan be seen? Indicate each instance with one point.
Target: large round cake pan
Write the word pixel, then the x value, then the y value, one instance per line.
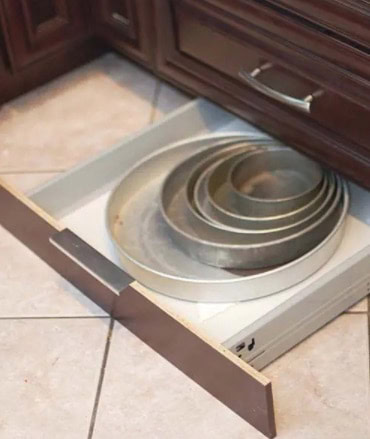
pixel 273 181
pixel 148 254
pixel 214 202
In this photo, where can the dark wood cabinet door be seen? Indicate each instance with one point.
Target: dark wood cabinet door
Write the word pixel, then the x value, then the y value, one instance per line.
pixel 127 25
pixel 38 28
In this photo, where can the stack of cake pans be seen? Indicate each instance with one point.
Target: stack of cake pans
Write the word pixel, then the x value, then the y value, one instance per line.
pixel 218 212
pixel 256 182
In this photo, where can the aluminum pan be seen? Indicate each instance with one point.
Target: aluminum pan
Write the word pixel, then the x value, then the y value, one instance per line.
pixel 219 208
pixel 280 169
pixel 306 215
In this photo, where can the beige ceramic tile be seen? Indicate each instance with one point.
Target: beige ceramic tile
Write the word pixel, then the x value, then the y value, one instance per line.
pixel 361 306
pixel 26 182
pixel 28 287
pixel 144 396
pixel 169 99
pixel 321 387
pixel 76 116
pixel 49 374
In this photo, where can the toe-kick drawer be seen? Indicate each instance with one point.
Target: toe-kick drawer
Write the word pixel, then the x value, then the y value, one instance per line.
pixel 63 222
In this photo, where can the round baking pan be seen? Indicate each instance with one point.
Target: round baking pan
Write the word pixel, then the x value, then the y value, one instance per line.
pixel 213 201
pixel 148 254
pixel 201 201
pixel 273 181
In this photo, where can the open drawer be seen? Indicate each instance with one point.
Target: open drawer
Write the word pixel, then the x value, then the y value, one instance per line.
pixel 219 346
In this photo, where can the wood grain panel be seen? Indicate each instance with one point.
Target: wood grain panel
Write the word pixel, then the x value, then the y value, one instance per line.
pixel 350 18
pixel 37 29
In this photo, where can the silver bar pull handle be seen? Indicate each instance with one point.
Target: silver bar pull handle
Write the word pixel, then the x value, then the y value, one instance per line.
pixel 303 105
pixel 91 260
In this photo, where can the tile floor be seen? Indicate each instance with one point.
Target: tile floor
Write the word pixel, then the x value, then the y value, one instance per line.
pixel 54 342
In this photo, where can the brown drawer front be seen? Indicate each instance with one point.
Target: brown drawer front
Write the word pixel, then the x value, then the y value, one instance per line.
pixel 349 18
pixel 211 45
pixel 333 60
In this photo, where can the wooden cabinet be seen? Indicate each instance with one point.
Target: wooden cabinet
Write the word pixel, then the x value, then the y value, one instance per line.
pixel 287 91
pixel 128 26
pixel 38 28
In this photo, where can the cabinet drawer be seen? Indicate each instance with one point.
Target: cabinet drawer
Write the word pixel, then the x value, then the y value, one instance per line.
pixel 350 18
pixel 38 28
pixel 277 83
pixel 218 348
pixel 331 60
pixel 275 80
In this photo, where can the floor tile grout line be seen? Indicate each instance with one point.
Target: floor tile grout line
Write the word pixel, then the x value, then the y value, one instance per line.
pixel 101 380
pixel 157 92
pixel 355 312
pixel 54 317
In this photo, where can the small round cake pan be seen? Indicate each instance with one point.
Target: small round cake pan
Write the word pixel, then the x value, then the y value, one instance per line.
pixel 254 225
pixel 271 182
pixel 214 201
